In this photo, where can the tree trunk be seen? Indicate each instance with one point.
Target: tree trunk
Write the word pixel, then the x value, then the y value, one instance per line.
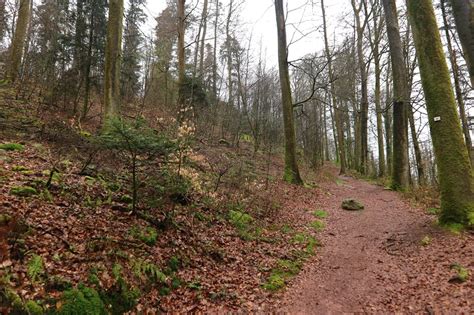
pixel 457 84
pixel 113 54
pixel 400 173
pixel 454 168
pixel 463 11
pixel 292 174
pixel 214 65
pixel 340 146
pixel 203 38
pixel 229 55
pixel 364 101
pixel 19 40
pixel 388 123
pixel 181 48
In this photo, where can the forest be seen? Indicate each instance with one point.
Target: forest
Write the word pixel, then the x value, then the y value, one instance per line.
pixel 236 156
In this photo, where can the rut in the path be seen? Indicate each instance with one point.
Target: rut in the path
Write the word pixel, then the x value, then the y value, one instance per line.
pixel 364 265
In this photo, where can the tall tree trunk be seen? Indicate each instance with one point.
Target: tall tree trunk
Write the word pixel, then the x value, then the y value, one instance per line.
pixel 181 27
pixel 19 40
pixel 292 174
pixel 388 122
pixel 340 146
pixel 229 55
pixel 205 13
pixel 113 55
pixel 400 173
pixel 454 168
pixel 364 100
pixel 457 84
pixel 214 65
pixel 463 11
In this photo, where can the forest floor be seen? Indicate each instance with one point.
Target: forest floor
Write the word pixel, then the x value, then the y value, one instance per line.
pixel 389 257
pixel 244 242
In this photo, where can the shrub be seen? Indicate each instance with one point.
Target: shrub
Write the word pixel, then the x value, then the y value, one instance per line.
pixel 35 268
pixel 147 235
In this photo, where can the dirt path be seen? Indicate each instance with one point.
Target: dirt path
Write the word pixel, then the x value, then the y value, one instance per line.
pixel 373 261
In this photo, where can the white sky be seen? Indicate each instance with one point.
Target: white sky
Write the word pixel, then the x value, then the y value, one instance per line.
pixel 257 19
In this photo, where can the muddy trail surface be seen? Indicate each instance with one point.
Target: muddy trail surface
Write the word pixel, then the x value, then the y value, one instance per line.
pixel 390 257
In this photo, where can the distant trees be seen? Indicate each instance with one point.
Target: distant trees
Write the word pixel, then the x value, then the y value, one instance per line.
pixel 455 173
pixel 19 40
pixel 292 174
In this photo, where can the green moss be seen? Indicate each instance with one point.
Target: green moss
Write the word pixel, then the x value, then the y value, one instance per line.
pixel 274 282
pixel 5 219
pixel 317 225
pixel 433 211
pixel 174 264
pixel 299 238
pixel 23 191
pixel 33 308
pixel 19 168
pixel 240 220
pixel 126 199
pixel 12 147
pixel 291 177
pixel 455 228
pixel 320 214
pixel 462 273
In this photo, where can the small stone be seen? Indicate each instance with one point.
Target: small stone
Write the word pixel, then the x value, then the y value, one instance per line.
pixel 352 205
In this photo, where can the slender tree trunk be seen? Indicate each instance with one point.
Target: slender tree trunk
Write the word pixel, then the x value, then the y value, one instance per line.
pixel 457 84
pixel 203 38
pixel 214 65
pixel 229 55
pixel 454 168
pixel 292 174
pixel 113 55
pixel 19 40
pixel 463 11
pixel 400 173
pixel 340 146
pixel 388 122
pixel 364 101
pixel 181 27
pixel 87 73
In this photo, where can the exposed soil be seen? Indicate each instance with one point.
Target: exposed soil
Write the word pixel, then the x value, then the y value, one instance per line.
pixel 373 261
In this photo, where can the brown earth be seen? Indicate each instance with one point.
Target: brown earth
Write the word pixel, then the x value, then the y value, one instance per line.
pixel 373 261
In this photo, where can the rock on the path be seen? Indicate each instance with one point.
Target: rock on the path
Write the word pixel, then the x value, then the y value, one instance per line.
pixel 352 205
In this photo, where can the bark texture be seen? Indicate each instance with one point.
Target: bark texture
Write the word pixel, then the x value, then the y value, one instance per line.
pixel 455 174
pixel 292 174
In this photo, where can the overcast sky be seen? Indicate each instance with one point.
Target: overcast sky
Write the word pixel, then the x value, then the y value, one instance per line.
pixel 257 19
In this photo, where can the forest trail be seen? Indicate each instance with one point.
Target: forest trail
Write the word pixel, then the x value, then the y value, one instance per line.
pixel 373 260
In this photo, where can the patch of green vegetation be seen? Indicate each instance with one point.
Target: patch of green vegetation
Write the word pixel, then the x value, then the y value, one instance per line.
pixel 5 219
pixel 426 241
pixel 274 282
pixel 23 191
pixel 19 168
pixel 35 268
pixel 320 214
pixel 151 271
pixel 455 228
pixel 33 308
pixel 299 238
pixel 195 285
pixel 289 267
pixel 240 220
pixel 147 235
pixel 462 273
pixel 286 229
pixel 433 211
pixel 12 147
pixel 317 225
pixel 339 182
pixel 82 300
pixel 174 263
pixel 126 199
pixel 58 283
pixel 46 195
pixel 311 245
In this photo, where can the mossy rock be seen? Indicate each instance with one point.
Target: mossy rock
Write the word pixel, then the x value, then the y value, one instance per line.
pixel 12 147
pixel 82 300
pixel 126 199
pixel 352 205
pixel 23 191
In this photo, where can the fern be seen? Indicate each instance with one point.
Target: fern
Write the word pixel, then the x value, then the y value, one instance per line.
pixel 35 268
pixel 150 270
